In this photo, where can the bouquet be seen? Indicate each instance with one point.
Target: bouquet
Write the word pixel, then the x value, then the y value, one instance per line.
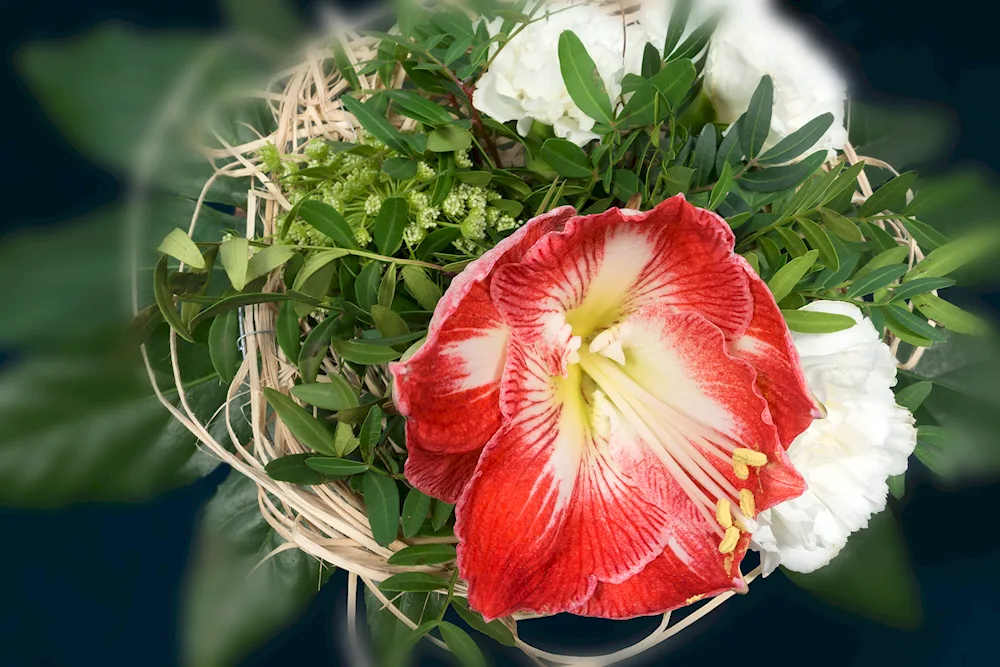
pixel 575 307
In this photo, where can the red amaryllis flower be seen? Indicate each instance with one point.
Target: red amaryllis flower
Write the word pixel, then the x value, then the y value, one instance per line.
pixel 608 399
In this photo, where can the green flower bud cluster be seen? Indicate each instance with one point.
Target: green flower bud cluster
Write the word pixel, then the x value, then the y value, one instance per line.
pixel 354 184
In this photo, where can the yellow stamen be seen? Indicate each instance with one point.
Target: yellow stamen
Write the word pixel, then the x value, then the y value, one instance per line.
pixel 742 471
pixel 747 503
pixel 730 541
pixel 724 514
pixel 695 598
pixel 750 457
pixel 728 565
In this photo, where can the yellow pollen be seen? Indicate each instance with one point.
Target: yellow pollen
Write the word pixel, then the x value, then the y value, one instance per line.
pixel 695 598
pixel 742 471
pixel 724 514
pixel 749 457
pixel 730 541
pixel 728 565
pixel 747 504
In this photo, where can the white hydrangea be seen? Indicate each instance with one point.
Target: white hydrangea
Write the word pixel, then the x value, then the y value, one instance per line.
pixel 845 458
pixel 525 82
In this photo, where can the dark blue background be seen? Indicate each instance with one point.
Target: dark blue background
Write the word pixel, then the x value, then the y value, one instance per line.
pixel 98 585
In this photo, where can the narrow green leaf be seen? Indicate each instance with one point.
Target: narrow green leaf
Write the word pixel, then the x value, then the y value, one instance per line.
pixel 293 470
pixel 889 197
pixel 414 582
pixel 389 323
pixel 705 148
pixel 949 315
pixel 368 355
pixel 288 333
pixel 376 124
pixel 416 106
pixel 223 343
pixel 785 280
pixel 795 246
pixel 329 221
pixel 757 121
pixel 448 139
pixel 841 226
pixel 953 256
pixel 440 514
pixel 847 181
pixel 876 280
pixel 424 554
pixel 180 246
pixel 336 467
pixel 423 289
pixel 314 350
pixel 566 158
pixel 462 645
pixel 367 284
pixel 920 286
pixel 238 301
pixel 583 80
pixel 335 395
pixel 798 142
pixel 415 510
pixel 371 431
pixel 897 486
pixel 809 322
pixel 495 630
pixel 387 288
pixel 381 497
pixel 389 225
pixel 344 66
pixel 820 241
pixel 165 300
pixel 776 179
pixel 730 150
pixel 235 256
pixel 911 328
pixel 722 187
pixel 314 264
pixel 457 49
pixel 926 236
pixel 914 396
pixel 307 429
pixel 267 260
pixel 679 17
pixel 889 257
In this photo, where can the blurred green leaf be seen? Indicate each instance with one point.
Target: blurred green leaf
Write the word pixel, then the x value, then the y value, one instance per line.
pixel 389 634
pixel 462 645
pixel 871 577
pixel 905 136
pixel 275 21
pixel 230 605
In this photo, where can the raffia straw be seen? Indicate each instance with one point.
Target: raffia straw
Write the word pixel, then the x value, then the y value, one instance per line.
pixel 328 522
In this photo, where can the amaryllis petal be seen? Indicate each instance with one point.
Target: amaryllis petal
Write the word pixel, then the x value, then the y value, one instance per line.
pixel 768 346
pixel 553 513
pixel 602 267
pixel 441 476
pixel 458 369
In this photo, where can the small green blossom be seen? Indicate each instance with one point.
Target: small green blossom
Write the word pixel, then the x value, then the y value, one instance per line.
pixel 373 205
pixel 362 236
pixel 270 157
pixel 463 160
pixel 425 172
pixel 317 150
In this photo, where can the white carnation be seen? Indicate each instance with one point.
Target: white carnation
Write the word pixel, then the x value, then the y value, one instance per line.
pixel 845 458
pixel 754 39
pixel 524 82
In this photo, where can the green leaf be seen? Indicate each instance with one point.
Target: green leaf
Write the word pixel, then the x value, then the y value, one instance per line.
pixel 462 645
pixel 785 280
pixel 448 139
pixel 389 323
pixel 387 288
pixel 180 246
pixel 695 44
pixel 889 257
pixel 415 510
pixel 875 280
pixel 414 582
pixel 704 154
pixel 663 92
pixel 336 467
pixel 382 507
pixel 440 514
pixel 679 16
pixel 165 300
pixel 416 106
pixel 795 246
pixel 400 168
pixel 293 470
pixel 678 179
pixel 730 150
pixel 275 21
pixel 798 142
pixel 776 179
pixel 314 265
pixel 871 577
pixel 329 221
pixel 914 396
pixel 366 286
pixel 423 289
pixel 238 301
pixel 223 344
pixel 889 197
pixel 953 256
pixel 423 554
pixel 312 353
pixel 237 596
pixel 911 328
pixel 344 65
pixel 819 240
pixel 841 226
pixel 376 124
pixel 583 80
pixel 496 630
pixel 288 333
pixel 389 225
pixel 920 286
pixel 809 322
pixel 368 355
pixel 371 430
pixel 897 486
pixel 267 260
pixel 308 430
pixel 235 255
pixel 344 439
pixel 757 121
pixel 566 158
pixel 392 640
pixel 722 187
pixel 335 395
pixel 847 181
pixel 949 315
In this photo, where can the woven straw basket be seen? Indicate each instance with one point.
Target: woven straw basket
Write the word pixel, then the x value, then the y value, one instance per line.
pixel 329 521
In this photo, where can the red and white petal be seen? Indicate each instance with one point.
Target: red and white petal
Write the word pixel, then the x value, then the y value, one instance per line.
pixel 457 371
pixel 548 514
pixel 441 476
pixel 768 347
pixel 695 405
pixel 605 266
